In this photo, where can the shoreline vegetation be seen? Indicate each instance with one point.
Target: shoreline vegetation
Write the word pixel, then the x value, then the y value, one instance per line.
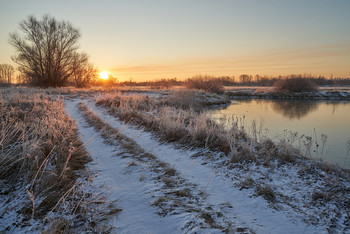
pixel 43 178
pixel 238 149
pixel 175 119
pixel 326 93
pixel 43 162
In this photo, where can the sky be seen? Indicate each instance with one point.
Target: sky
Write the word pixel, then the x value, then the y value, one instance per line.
pixel 152 39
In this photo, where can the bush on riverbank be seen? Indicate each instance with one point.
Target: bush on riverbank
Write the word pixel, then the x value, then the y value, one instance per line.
pixel 295 85
pixel 206 83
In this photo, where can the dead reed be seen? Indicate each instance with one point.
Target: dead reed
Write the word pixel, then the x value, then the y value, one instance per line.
pixel 193 128
pixel 39 151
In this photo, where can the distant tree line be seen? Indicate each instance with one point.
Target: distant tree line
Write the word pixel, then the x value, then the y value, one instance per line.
pixel 6 73
pixel 318 80
pixel 243 80
pixel 48 55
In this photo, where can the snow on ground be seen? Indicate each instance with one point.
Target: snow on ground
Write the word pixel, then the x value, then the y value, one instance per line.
pixel 134 186
pixel 132 195
pixel 135 197
pixel 10 220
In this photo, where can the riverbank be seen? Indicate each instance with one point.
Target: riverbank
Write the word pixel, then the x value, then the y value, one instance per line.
pixel 277 172
pixel 170 168
pixel 324 93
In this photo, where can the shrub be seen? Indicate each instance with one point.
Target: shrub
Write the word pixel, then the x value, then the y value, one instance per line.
pixel 295 84
pixel 206 83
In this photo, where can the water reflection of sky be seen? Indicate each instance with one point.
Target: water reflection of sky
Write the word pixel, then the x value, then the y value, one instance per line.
pixel 305 117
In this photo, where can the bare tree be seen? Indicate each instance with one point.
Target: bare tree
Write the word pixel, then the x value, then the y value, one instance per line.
pixel 20 78
pixel 83 71
pixel 246 78
pixel 46 50
pixel 6 72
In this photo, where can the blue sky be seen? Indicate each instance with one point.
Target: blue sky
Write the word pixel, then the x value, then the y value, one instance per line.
pixel 165 39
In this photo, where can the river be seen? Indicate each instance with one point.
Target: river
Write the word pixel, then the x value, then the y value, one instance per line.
pixel 327 122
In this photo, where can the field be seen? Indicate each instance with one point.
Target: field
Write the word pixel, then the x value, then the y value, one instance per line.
pixel 150 161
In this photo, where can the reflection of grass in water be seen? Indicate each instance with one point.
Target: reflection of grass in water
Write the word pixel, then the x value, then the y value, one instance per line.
pixel 324 140
pixel 347 152
pixel 294 109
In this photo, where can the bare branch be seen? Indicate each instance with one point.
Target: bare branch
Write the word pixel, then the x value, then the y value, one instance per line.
pixel 46 50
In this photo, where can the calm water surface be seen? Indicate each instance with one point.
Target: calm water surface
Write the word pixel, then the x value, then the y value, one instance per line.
pixel 312 118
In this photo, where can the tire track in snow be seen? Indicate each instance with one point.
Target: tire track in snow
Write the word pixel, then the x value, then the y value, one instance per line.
pixel 131 195
pixel 184 205
pixel 220 190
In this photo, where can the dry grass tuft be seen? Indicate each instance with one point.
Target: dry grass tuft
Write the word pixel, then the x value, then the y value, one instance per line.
pixel 319 195
pixel 159 201
pixel 247 183
pixel 268 149
pixel 267 192
pixel 183 98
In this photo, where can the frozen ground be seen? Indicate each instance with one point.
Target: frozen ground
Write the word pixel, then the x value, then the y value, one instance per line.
pixel 207 197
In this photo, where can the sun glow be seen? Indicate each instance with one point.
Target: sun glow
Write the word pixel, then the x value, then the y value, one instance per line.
pixel 104 75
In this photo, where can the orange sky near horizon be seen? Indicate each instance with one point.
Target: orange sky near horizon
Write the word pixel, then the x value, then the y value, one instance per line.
pixel 317 61
pixel 148 40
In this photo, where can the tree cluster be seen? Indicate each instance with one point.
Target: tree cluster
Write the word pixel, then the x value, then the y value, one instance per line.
pixel 6 73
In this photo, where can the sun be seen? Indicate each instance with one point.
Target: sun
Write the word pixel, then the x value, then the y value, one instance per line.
pixel 104 75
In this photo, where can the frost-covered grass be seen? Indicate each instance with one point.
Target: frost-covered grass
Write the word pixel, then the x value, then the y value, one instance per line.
pixel 173 124
pixel 194 129
pixel 173 194
pixel 264 165
pixel 41 165
pixel 276 171
pixel 191 174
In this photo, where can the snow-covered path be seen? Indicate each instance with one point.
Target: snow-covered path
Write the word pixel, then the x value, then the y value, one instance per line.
pixel 134 197
pixel 131 195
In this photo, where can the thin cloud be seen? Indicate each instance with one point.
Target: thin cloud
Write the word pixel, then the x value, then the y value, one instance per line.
pixel 309 59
